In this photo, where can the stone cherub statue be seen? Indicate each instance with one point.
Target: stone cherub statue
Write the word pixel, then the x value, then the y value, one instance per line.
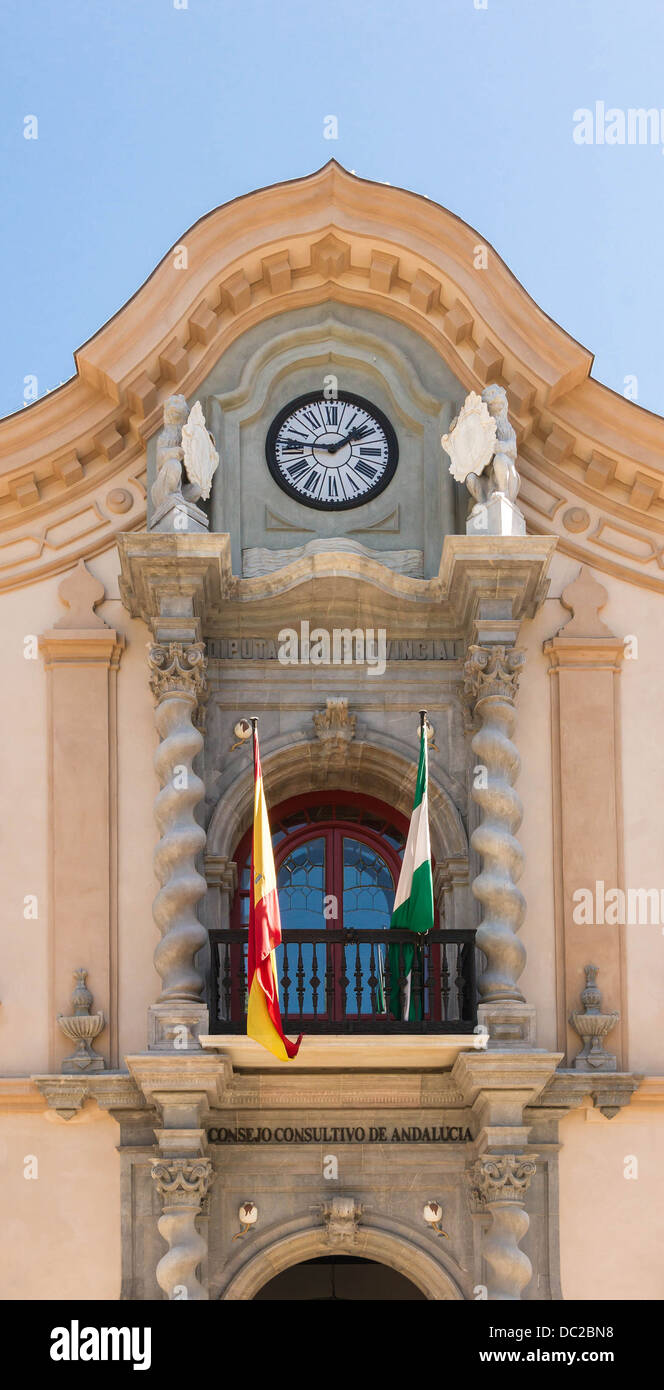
pixel 482 446
pixel 184 443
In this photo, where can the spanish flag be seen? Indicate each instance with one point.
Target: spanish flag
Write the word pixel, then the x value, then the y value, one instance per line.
pixel 263 1015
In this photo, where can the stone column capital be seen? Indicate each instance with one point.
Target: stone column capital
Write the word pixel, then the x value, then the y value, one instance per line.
pixel 177 668
pixel 492 672
pixel 501 1177
pixel 183 1182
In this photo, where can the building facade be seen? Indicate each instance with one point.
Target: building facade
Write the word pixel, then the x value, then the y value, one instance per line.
pixel 504 1141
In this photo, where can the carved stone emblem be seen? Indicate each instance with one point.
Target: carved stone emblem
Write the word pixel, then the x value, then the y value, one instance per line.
pixel 201 459
pixel 483 449
pixel 471 440
pixel 341 1217
pixel 334 726
pixel 183 446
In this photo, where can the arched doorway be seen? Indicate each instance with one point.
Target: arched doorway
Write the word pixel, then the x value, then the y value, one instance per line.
pixel 432 1273
pixel 339 1278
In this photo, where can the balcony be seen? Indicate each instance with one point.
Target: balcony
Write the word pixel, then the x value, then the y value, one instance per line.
pixel 357 981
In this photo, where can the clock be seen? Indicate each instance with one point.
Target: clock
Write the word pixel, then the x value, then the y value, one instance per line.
pixel 331 454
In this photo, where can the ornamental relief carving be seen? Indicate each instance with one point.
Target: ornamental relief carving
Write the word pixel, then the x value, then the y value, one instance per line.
pixel 178 668
pixel 500 1178
pixel 183 1181
pixel 492 672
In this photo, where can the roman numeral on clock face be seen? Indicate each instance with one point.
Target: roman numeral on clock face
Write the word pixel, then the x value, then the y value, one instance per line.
pixel 295 470
pixel 331 489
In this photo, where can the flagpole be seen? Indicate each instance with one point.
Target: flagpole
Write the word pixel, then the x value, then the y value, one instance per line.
pixel 254 738
pixel 424 714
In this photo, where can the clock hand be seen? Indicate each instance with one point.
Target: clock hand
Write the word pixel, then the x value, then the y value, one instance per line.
pixel 354 434
pixel 334 448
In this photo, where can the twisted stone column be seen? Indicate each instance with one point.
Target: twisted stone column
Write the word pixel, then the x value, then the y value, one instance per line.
pixel 178 684
pixel 183 1184
pixel 499 1183
pixel 491 680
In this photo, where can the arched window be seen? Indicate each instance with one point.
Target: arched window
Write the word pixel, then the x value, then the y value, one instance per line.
pixel 337 861
pixel 338 858
pixel 338 865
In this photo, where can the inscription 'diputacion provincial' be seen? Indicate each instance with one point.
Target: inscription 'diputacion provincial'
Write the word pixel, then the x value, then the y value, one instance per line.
pixel 262 649
pixel 342 1134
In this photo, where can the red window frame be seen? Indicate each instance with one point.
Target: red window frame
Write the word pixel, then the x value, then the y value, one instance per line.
pixel 333 829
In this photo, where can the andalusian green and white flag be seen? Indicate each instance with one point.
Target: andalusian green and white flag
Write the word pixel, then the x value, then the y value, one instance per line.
pixel 413 902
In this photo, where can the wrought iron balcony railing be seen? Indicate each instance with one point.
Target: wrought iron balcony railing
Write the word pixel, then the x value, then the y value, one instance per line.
pixel 360 981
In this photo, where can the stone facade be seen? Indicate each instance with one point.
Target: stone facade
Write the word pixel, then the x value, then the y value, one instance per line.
pixel 231 1168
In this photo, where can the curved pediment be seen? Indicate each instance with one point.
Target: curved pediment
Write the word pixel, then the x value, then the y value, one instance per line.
pixel 72 466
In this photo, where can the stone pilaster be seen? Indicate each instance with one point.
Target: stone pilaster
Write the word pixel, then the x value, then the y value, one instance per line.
pixel 498 1184
pixel 82 657
pixel 183 1185
pixel 585 659
pixel 491 683
pixel 177 681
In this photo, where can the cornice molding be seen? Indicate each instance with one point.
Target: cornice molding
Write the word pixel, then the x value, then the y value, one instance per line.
pixel 66 460
pixel 483 590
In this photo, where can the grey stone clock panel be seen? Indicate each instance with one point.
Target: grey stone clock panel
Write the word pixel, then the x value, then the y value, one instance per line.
pixel 309 351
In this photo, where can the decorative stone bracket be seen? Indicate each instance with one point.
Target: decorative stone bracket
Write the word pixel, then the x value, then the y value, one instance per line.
pixel 67 1094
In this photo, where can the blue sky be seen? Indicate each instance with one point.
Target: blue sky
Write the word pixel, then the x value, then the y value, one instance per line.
pixel 148 116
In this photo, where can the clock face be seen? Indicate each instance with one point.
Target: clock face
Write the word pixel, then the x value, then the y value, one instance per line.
pixel 331 454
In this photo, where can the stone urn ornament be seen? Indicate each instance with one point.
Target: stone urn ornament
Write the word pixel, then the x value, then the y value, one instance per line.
pixel 592 1025
pixel 82 1027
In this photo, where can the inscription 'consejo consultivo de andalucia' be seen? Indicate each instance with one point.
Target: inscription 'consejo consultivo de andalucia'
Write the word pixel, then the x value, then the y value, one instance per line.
pixel 342 1134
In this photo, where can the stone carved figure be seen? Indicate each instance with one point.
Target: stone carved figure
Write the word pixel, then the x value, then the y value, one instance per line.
pixel 184 442
pixel 170 455
pixel 482 446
